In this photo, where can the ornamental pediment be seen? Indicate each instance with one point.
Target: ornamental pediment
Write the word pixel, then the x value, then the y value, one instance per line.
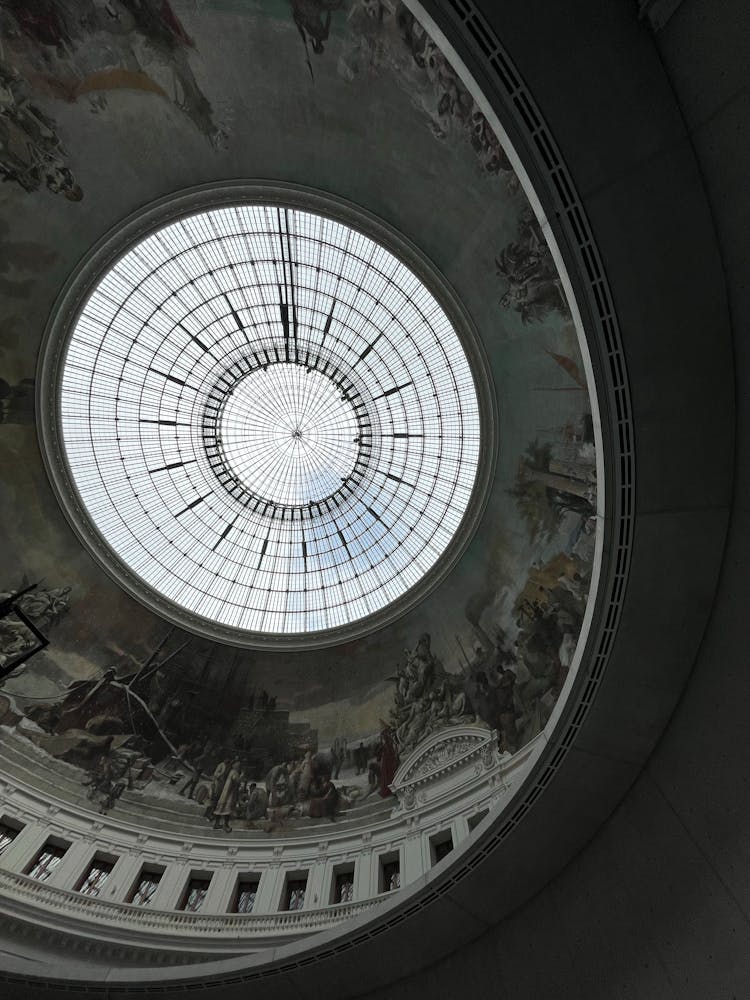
pixel 445 751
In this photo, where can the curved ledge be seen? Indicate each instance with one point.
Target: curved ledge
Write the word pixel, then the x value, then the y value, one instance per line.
pixel 600 745
pixel 151 929
pixel 93 269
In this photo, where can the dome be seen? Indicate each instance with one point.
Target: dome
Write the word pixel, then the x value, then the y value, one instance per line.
pixel 357 552
pixel 321 500
pixel 270 420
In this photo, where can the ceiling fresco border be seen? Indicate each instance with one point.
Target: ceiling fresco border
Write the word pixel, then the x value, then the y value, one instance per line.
pixel 572 241
pixel 109 249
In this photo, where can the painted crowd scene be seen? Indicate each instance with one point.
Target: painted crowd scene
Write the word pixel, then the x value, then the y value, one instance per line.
pixel 136 714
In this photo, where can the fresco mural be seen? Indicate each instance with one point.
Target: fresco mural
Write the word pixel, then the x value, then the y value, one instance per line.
pixel 526 264
pixel 24 615
pixel 70 50
pixel 313 19
pixel 17 401
pixel 190 718
pixel 32 154
pixel 144 715
pixel 385 35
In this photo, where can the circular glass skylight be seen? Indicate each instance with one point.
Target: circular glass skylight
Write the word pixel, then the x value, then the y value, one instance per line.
pixel 269 419
pixel 289 435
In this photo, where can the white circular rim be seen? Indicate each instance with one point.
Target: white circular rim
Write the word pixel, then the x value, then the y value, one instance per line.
pixel 294 618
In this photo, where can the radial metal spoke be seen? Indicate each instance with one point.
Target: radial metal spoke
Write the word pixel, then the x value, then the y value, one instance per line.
pixel 270 419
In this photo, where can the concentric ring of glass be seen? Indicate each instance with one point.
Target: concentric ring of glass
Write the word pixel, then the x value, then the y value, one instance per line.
pixel 270 419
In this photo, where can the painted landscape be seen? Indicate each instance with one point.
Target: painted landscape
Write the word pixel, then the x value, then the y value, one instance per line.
pixel 105 106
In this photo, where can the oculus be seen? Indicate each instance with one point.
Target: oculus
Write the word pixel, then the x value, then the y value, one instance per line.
pixel 271 422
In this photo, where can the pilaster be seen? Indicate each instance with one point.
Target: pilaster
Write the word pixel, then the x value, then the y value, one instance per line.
pixel 315 894
pixel 18 854
pixel 460 829
pixel 123 876
pixel 72 864
pixel 365 882
pixel 269 890
pixel 171 887
pixel 411 860
pixel 218 896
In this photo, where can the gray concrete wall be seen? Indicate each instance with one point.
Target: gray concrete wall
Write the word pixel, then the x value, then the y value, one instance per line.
pixel 657 904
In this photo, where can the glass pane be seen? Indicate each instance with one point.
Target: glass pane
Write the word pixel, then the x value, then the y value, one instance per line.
pixel 391 876
pixel 246 896
pixel 327 467
pixel 196 893
pixel 344 888
pixel 95 878
pixel 7 836
pixel 145 890
pixel 48 859
pixel 296 895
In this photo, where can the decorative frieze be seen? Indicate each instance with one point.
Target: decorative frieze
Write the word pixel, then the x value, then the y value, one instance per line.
pixel 442 764
pixel 456 772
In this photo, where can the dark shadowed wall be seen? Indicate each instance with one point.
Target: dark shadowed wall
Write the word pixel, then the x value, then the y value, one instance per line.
pixel 657 905
pixel 653 129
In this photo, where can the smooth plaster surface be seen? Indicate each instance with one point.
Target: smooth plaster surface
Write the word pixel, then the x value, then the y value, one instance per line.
pixel 656 905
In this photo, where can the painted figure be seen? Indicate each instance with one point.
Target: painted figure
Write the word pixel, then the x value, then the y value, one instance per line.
pixel 324 800
pixel 83 47
pixel 387 755
pixel 17 402
pixel 313 20
pixel 256 804
pixel 534 287
pixel 217 785
pixel 225 806
pixel 31 153
pixel 199 765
